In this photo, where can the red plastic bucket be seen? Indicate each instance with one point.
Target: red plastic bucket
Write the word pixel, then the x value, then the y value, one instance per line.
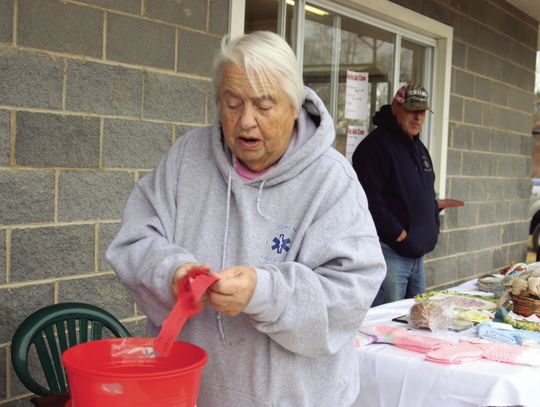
pixel 97 378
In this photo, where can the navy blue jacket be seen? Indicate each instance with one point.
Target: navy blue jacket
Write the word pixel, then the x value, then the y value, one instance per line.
pixel 397 175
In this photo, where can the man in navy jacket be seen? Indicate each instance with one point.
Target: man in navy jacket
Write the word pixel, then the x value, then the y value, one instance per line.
pixel 396 172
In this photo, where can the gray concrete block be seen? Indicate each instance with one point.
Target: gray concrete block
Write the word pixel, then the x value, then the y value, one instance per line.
pixel 464 85
pixel 92 195
pixel 458 241
pixel 6 21
pixel 439 272
pixel 527 143
pixel 174 98
pixel 482 139
pixel 104 89
pixel 500 93
pixel 60 26
pixel 188 13
pixel 520 100
pixel 3 276
pixel 439 12
pixel 129 6
pixel 50 140
pixel 18 303
pixel 459 54
pixel 466 215
pixel 219 16
pixel 105 291
pixel 486 213
pixel 502 211
pixel 483 88
pixel 30 80
pixel 473 163
pixel 26 197
pixel 135 144
pixel 107 232
pixel 460 188
pixel 456 108
pixel 449 220
pixel 519 210
pixel 466 266
pixel 500 258
pixel 494 67
pixel 48 252
pixel 453 162
pixel 504 165
pixel 476 60
pixel 141 42
pixel 463 136
pixel 523 187
pixel 479 188
pixel 517 252
pixel 5 137
pixel 196 52
pixel 473 112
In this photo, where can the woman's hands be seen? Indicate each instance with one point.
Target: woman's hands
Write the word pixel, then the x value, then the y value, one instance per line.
pixel 230 294
pixel 233 290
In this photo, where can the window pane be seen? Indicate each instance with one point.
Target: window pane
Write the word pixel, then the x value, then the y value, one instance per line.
pixel 364 48
pixel 261 15
pixel 412 63
pixel 318 45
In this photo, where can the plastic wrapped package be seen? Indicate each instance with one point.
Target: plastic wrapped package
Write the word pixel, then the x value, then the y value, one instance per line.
pixel 432 315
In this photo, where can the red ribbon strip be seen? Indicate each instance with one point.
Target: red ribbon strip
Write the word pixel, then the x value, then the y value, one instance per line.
pixel 190 290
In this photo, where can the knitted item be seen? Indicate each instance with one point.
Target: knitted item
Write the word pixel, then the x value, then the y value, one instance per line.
pixel 398 336
pixel 466 352
pixel 512 337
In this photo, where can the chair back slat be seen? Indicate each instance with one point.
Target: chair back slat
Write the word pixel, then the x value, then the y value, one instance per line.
pixel 97 330
pixel 56 357
pixel 72 332
pixel 62 338
pixel 47 364
pixel 83 330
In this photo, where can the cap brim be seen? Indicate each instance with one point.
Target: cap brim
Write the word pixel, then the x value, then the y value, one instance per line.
pixel 416 106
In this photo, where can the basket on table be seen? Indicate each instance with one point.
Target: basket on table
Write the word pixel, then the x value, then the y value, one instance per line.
pixel 525 293
pixel 525 305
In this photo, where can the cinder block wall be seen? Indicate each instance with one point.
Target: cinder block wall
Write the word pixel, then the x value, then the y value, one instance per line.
pixel 490 142
pixel 92 93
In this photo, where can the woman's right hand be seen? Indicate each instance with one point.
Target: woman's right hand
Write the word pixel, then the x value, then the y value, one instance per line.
pixel 182 272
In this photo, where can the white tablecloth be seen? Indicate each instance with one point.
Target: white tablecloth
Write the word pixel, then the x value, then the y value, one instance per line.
pixel 394 377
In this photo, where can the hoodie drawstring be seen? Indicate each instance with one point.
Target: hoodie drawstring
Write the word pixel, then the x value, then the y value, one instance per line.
pixel 224 252
pixel 259 196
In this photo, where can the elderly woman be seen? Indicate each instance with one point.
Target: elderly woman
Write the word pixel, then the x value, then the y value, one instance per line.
pixel 263 200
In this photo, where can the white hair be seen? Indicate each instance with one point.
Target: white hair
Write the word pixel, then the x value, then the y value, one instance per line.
pixel 267 60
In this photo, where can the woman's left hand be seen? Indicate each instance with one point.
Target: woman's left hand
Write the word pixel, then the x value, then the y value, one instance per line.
pixel 233 290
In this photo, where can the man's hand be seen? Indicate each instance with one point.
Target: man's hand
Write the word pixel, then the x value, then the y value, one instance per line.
pixel 232 292
pixel 402 236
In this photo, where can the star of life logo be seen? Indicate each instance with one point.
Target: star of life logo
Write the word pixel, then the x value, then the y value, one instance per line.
pixel 281 243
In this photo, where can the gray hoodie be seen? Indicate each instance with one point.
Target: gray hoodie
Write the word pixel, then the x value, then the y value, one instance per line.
pixel 305 228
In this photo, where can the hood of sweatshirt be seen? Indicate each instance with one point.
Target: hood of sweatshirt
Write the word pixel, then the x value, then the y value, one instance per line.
pixel 313 134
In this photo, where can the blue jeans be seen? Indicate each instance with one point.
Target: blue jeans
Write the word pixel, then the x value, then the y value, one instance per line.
pixel 405 277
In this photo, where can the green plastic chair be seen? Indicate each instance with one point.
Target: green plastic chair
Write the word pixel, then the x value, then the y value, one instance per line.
pixel 52 330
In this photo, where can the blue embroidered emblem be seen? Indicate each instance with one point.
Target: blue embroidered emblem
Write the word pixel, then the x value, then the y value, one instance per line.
pixel 281 244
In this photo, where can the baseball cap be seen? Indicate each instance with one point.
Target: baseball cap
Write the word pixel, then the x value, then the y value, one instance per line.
pixel 412 96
